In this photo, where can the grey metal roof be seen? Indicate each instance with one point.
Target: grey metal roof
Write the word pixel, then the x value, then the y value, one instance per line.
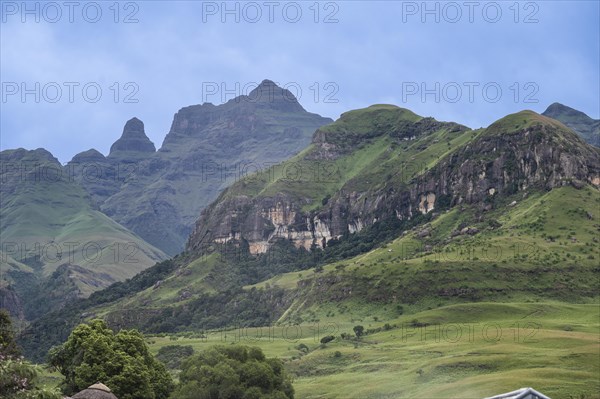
pixel 523 393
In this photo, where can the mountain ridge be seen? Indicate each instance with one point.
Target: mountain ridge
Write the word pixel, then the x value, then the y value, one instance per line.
pixel 586 127
pixel 135 191
pixel 386 220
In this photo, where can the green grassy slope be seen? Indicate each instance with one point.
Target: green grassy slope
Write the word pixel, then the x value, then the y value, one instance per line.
pixel 47 222
pixel 363 167
pixel 352 163
pixel 518 238
pixel 543 246
pixel 466 351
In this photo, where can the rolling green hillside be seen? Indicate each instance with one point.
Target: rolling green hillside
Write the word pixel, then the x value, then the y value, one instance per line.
pixel 520 254
pixel 513 305
pixel 50 233
pixel 364 145
pixel 544 247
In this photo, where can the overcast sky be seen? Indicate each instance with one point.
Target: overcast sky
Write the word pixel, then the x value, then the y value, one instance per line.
pixel 469 62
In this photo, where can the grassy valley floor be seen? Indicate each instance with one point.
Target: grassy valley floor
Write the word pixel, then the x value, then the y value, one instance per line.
pixel 459 351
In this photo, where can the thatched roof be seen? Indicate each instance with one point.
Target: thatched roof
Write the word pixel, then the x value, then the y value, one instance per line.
pixel 96 391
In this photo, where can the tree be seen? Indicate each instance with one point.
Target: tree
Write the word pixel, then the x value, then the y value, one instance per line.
pixel 94 353
pixel 358 331
pixel 233 372
pixel 8 346
pixel 327 338
pixel 18 378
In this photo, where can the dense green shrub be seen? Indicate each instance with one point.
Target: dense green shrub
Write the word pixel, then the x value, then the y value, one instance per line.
pixel 358 331
pixel 233 372
pixel 327 338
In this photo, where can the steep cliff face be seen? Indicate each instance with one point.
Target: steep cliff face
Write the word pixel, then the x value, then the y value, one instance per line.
pixel 255 115
pixel 523 180
pixel 261 221
pixel 520 152
pixel 326 191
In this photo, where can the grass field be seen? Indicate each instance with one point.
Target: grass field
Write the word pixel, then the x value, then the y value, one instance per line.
pixel 458 351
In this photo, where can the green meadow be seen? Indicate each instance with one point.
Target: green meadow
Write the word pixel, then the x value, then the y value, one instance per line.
pixel 457 351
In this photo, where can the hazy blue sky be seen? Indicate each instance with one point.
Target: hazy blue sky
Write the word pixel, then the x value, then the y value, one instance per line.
pixel 338 55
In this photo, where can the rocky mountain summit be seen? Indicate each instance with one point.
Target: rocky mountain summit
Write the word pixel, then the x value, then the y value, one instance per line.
pixel 133 141
pixel 136 195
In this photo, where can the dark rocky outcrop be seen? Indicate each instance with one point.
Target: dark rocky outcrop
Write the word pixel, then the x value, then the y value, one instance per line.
pixel 132 141
pixel 536 152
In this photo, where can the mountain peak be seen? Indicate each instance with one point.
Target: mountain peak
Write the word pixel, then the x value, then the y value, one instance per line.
pixel 519 121
pixel 134 125
pixel 133 139
pixel 267 82
pixel 558 110
pixel 91 155
pixel 556 107
pixel 266 85
pixel 269 94
pixel 586 127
